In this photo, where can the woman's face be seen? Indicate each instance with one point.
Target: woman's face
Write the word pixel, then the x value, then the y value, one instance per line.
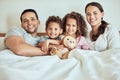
pixel 94 16
pixel 71 26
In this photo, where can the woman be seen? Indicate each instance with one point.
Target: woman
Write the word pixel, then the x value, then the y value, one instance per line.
pixel 102 36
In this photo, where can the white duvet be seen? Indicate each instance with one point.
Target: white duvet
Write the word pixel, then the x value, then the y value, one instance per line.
pixel 81 65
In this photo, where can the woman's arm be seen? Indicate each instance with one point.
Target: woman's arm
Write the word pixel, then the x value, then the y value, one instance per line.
pixel 113 38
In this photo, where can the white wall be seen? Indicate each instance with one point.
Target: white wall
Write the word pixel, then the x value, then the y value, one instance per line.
pixel 11 10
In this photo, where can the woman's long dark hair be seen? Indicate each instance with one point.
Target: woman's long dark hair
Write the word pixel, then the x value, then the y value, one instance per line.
pixel 103 25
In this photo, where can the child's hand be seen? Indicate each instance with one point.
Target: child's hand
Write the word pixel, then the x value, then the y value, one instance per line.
pixel 52 50
pixel 55 51
pixel 45 46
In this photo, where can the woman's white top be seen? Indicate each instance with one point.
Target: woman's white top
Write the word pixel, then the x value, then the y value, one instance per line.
pixel 108 40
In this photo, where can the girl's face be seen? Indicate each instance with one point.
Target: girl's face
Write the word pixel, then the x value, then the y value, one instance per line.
pixel 94 16
pixel 71 26
pixel 53 30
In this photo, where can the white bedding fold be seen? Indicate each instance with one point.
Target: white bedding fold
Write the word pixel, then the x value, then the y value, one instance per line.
pixel 98 65
pixel 81 65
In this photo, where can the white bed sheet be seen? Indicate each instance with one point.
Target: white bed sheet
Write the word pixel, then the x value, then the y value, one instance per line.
pixel 81 65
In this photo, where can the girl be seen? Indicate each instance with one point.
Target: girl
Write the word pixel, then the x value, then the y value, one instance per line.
pixel 75 25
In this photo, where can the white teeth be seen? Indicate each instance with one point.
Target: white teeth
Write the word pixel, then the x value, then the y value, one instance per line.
pixel 92 20
pixel 30 26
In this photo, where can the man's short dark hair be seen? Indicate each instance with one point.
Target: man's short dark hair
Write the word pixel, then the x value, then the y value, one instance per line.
pixel 28 10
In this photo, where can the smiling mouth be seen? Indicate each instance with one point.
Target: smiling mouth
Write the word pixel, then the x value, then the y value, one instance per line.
pixel 30 27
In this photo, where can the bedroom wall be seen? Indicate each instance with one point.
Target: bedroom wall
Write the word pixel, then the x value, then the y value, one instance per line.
pixel 11 10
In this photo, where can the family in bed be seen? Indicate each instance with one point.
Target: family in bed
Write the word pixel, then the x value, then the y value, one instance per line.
pixel 24 40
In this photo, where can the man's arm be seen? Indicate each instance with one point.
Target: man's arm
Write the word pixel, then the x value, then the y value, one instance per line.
pixel 20 47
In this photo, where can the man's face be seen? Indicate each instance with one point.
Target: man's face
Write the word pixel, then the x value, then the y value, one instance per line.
pixel 30 22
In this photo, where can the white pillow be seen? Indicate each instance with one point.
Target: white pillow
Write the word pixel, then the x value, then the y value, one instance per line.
pixel 1 43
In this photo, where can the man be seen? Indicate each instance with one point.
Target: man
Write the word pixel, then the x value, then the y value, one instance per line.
pixel 22 40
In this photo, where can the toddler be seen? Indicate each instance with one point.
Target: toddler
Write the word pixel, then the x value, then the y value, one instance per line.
pixel 53 30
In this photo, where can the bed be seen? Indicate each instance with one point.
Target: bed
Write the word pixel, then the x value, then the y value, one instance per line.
pixel 81 65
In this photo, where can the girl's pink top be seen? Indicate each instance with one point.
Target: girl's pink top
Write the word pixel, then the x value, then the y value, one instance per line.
pixel 82 43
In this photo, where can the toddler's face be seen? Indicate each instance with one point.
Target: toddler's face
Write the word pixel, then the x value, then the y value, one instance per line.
pixel 53 30
pixel 71 26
